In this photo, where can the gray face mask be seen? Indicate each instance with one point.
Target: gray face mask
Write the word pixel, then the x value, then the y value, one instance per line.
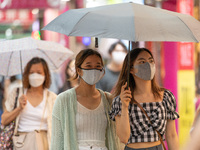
pixel 146 71
pixel 92 76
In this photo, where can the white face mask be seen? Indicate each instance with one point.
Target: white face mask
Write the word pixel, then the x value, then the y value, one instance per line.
pixel 36 79
pixel 92 76
pixel 118 57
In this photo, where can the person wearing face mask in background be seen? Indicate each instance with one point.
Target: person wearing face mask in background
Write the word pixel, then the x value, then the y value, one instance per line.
pixel 140 131
pixel 80 115
pixel 117 52
pixel 35 105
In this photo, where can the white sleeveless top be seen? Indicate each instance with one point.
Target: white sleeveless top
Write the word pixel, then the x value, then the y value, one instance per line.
pixel 31 117
pixel 91 125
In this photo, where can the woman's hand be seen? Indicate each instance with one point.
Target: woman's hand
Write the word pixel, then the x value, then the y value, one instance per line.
pixel 22 101
pixel 125 96
pixel 7 116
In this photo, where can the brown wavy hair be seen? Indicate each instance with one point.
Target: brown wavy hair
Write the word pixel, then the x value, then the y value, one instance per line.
pixel 36 60
pixel 124 74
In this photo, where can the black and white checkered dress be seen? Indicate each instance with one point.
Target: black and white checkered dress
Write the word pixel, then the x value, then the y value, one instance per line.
pixel 159 113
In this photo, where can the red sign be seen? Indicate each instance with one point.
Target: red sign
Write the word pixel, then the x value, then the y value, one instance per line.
pixel 23 15
pixel 28 4
pixel 185 56
pixel 185 50
pixel 185 7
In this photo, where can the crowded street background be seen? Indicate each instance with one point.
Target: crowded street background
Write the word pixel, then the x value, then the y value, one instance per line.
pixel 177 64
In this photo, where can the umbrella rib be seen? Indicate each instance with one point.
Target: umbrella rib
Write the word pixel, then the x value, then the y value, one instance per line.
pixel 9 63
pixel 189 29
pixel 79 21
pixel 48 57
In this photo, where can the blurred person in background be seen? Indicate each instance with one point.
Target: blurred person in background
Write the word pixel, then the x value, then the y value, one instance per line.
pixel 69 74
pixel 117 52
pixel 193 142
pixel 80 115
pixel 11 83
pixel 196 118
pixel 34 106
pixel 15 81
pixel 56 82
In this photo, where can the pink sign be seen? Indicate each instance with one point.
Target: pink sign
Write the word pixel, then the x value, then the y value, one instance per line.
pixel 185 56
pixel 24 15
pixel 185 7
pixel 185 50
pixel 30 4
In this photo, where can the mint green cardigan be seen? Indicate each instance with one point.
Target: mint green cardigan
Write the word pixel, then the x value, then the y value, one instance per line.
pixel 64 135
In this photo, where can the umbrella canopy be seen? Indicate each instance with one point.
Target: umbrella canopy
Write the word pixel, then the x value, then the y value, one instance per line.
pixel 15 54
pixel 127 21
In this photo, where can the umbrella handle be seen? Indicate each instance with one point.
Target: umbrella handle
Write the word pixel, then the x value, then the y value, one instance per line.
pixel 128 71
pixel 96 42
pixel 21 71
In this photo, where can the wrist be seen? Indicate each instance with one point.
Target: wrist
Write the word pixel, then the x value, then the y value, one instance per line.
pixel 124 107
pixel 19 108
pixel 125 112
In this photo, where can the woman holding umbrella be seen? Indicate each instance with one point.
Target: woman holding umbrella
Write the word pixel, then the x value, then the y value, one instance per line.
pixel 144 112
pixel 34 105
pixel 80 115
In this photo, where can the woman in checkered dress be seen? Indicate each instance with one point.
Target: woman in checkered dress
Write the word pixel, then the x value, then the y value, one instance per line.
pixel 132 125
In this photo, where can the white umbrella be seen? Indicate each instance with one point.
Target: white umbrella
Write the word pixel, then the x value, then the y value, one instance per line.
pixel 127 21
pixel 14 54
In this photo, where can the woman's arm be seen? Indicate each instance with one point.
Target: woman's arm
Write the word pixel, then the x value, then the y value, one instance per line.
pixel 7 116
pixel 123 126
pixel 57 137
pixel 122 122
pixel 196 116
pixel 171 136
pixel 193 143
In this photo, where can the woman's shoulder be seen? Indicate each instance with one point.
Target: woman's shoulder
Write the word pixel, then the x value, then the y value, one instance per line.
pixel 65 101
pixel 17 91
pixel 168 94
pixel 52 93
pixel 169 98
pixel 67 92
pixel 67 95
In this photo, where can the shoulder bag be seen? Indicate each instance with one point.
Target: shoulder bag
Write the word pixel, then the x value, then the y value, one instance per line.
pixel 6 132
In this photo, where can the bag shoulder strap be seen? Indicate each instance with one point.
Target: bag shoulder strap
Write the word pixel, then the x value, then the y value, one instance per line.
pixel 42 120
pixel 15 105
pixel 160 137
pixel 108 97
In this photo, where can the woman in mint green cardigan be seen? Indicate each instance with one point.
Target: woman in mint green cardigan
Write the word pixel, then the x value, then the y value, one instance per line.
pixel 80 119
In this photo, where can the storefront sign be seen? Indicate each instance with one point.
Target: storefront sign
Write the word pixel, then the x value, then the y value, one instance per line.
pixel 186 79
pixel 8 16
pixel 185 7
pixel 185 56
pixel 186 95
pixel 28 4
